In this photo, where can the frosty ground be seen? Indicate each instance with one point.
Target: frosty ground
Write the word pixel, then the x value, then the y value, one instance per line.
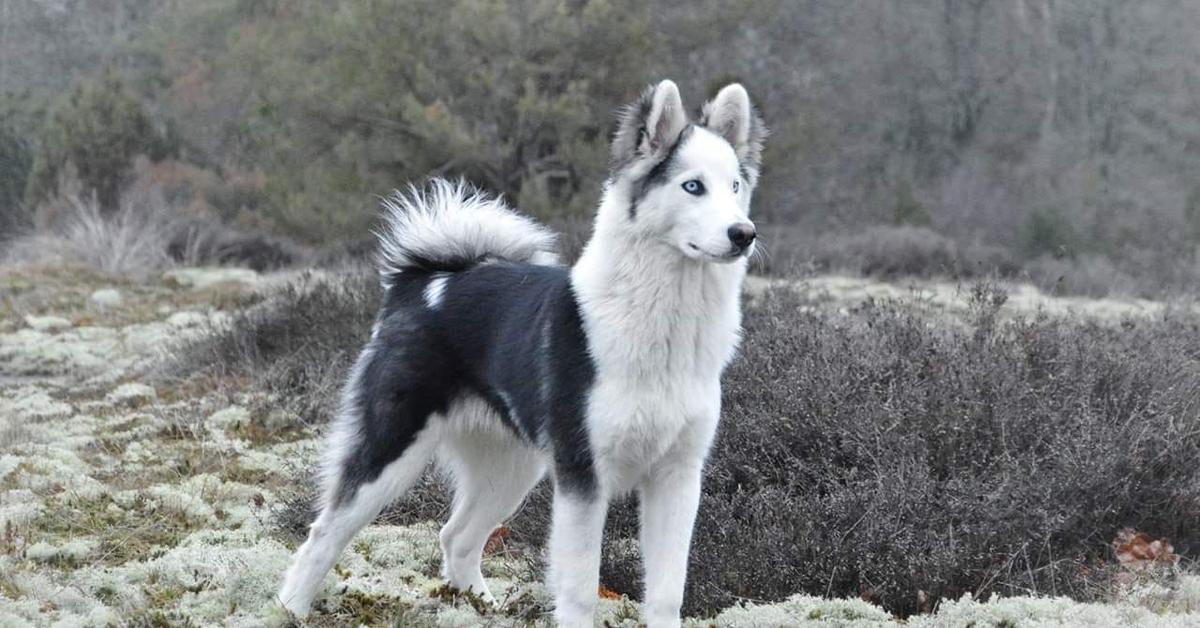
pixel 129 499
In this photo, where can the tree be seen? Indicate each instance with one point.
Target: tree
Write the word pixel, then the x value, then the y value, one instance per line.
pixel 97 130
pixel 334 107
pixel 15 163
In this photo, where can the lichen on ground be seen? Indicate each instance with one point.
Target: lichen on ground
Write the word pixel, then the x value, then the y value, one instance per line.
pixel 125 499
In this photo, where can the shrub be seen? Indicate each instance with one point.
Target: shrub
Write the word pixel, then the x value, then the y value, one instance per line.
pixel 298 345
pixel 15 162
pixel 455 88
pixel 145 235
pixel 886 253
pixel 907 210
pixel 877 455
pixel 873 454
pixel 1047 231
pixel 97 131
pixel 131 240
pixel 1087 275
pixel 197 241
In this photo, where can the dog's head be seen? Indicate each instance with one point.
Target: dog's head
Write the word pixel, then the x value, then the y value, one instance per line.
pixel 689 184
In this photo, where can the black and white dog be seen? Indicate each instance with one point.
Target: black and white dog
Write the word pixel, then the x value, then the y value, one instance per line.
pixel 504 365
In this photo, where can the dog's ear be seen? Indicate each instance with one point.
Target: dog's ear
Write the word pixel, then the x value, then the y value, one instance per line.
pixel 731 116
pixel 649 127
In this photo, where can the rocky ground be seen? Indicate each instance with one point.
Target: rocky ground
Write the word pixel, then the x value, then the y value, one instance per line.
pixel 130 498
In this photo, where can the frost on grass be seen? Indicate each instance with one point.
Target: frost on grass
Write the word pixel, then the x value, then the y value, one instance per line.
pixel 1051 612
pixel 1034 612
pixel 31 403
pixel 132 394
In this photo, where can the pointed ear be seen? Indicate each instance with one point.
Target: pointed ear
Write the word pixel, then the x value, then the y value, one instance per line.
pixel 665 121
pixel 649 127
pixel 731 116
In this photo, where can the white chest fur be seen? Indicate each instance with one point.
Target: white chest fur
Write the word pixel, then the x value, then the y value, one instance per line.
pixel 660 328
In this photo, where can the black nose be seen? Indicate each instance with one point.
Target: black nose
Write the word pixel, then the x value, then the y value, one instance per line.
pixel 741 234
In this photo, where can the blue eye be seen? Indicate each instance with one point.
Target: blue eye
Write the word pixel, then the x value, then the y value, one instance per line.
pixel 693 187
pixel 736 185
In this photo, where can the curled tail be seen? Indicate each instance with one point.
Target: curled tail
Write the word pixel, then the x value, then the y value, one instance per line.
pixel 453 226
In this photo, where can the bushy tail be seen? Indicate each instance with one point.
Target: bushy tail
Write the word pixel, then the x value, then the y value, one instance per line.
pixel 450 227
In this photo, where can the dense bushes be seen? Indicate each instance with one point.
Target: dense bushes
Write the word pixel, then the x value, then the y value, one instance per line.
pixel 886 252
pixel 900 252
pixel 96 131
pixel 298 345
pixel 869 453
pixel 301 112
pixel 878 455
pixel 15 162
pixel 354 102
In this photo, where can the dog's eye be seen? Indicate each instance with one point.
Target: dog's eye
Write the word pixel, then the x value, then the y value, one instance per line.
pixel 736 185
pixel 693 187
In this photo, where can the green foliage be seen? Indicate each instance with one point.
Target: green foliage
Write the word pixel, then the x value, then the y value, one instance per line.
pixel 15 162
pixel 1048 231
pixel 20 115
pixel 907 210
pixel 1191 215
pixel 359 100
pixel 97 131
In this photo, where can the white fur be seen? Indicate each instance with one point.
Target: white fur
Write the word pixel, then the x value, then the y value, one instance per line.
pixel 666 119
pixel 698 225
pixel 492 471
pixel 334 528
pixel 455 221
pixel 434 291
pixel 659 296
pixel 661 327
pixel 729 115
pixel 660 299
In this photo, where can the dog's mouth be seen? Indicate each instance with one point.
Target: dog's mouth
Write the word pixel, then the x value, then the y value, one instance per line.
pixel 728 256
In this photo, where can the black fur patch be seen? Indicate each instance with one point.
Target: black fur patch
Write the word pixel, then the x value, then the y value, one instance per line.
pixel 509 333
pixel 628 131
pixel 658 174
pixel 393 397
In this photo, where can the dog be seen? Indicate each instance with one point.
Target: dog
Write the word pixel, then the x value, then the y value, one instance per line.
pixel 505 366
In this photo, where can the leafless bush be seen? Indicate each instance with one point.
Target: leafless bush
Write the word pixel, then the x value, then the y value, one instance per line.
pixel 298 345
pixel 1090 275
pixel 131 240
pixel 871 454
pixel 196 242
pixel 884 252
pixel 144 235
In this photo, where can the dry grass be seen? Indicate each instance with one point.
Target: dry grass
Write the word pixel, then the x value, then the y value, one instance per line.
pixel 144 236
pixel 133 240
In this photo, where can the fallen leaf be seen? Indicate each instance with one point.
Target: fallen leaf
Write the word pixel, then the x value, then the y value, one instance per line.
pixel 1138 551
pixel 495 542
pixel 608 594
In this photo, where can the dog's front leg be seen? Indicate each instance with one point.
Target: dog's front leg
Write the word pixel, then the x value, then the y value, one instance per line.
pixel 669 499
pixel 575 536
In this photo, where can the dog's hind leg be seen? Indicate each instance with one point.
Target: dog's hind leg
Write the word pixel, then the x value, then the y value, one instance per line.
pixel 493 472
pixel 381 441
pixel 340 520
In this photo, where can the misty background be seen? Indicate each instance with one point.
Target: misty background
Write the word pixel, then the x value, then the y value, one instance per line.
pixel 1048 140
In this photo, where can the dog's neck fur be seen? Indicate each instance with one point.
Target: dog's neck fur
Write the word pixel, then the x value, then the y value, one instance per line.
pixel 651 312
